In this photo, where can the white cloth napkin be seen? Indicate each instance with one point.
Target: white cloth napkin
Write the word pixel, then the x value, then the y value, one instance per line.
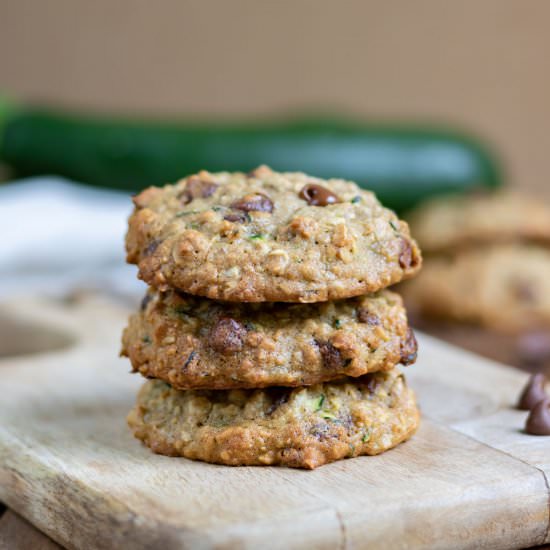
pixel 59 236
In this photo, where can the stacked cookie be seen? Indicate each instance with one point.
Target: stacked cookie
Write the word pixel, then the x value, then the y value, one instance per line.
pixel 267 330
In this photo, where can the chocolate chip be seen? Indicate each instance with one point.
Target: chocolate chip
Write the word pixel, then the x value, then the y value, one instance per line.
pixel 332 358
pixel 195 188
pixel 317 195
pixel 146 299
pixel 254 202
pixel 237 217
pixel 538 421
pixel 227 335
pixel 409 348
pixel 364 316
pixel 524 292
pixel 151 247
pixel 279 396
pixel 533 392
pixel 189 359
pixel 405 257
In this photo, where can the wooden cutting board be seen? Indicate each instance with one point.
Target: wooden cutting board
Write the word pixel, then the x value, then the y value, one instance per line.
pixel 469 478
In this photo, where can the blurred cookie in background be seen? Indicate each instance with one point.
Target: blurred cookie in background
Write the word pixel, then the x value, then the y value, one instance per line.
pixel 487 265
pixel 505 287
pixel 450 222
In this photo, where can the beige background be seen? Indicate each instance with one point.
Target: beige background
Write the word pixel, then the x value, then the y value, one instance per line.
pixel 482 64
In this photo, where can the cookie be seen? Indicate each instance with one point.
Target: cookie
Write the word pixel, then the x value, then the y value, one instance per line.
pixel 450 222
pixel 193 342
pixel 300 427
pixel 268 236
pixel 505 287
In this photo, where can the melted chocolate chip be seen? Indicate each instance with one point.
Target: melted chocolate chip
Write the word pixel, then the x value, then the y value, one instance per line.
pixel 279 396
pixel 196 188
pixel 317 195
pixel 237 217
pixel 253 202
pixel 227 335
pixel 364 316
pixel 332 358
pixel 538 421
pixel 409 348
pixel 533 392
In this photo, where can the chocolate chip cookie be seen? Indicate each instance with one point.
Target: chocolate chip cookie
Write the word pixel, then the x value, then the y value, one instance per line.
pixel 194 342
pixel 450 222
pixel 300 427
pixel 268 236
pixel 505 287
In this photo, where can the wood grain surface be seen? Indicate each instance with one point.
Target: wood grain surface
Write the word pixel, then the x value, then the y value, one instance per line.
pixel 68 463
pixel 18 534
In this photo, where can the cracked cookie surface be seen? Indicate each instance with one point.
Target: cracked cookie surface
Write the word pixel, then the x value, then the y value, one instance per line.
pixel 193 342
pixel 296 427
pixel 268 236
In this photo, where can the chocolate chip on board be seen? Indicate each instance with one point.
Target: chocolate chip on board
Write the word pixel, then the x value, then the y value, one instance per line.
pixel 538 421
pixel 533 392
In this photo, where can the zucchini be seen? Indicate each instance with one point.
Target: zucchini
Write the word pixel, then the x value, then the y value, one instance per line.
pixel 402 164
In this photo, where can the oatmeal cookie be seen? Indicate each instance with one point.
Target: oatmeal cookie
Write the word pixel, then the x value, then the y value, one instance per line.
pixel 300 427
pixel 505 287
pixel 268 236
pixel 455 221
pixel 196 343
pixel 450 222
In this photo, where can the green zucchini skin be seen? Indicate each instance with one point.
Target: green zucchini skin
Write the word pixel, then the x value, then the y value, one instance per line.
pixel 401 164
